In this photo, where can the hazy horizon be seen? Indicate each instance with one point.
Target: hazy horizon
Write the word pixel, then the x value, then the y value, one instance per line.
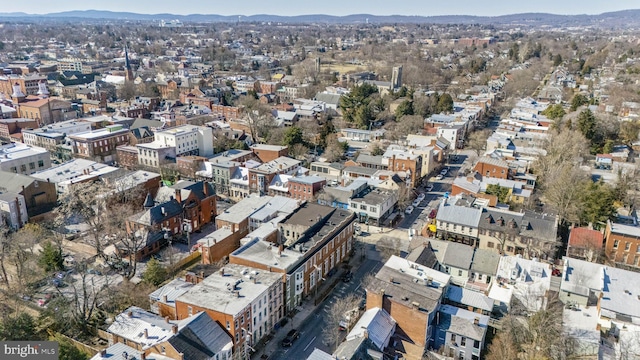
pixel 328 7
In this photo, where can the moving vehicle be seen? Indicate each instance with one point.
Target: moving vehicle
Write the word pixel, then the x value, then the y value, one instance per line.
pixel 292 335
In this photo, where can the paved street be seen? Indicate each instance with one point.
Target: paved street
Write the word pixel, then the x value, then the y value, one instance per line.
pixel 311 329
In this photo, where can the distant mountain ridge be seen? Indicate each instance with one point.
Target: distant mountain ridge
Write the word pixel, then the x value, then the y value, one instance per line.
pixel 623 18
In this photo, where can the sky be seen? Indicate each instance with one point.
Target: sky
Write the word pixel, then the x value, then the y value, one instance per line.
pixel 331 7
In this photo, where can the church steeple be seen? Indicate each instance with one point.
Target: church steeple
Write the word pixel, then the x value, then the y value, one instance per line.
pixel 127 65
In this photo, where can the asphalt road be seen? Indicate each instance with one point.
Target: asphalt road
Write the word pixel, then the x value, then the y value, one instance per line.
pixel 311 332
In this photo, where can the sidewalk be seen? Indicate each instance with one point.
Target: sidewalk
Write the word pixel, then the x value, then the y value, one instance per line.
pixel 304 311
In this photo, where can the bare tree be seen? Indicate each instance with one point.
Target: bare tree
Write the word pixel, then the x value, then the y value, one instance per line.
pixel 477 141
pixel 257 116
pixel 340 310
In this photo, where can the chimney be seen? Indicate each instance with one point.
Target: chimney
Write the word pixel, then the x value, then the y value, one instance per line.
pixel 476 321
pixel 205 188
pixel 166 319
pixel 222 271
pixel 103 353
pixel 178 195
pixel 365 333
pixel 164 299
pixel 143 356
pixel 146 333
pixel 130 314
pixel 280 249
pixel 174 329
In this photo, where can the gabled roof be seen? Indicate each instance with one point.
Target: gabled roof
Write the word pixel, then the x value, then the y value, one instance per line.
pixel 470 298
pixel 200 338
pixel 461 215
pixel 582 237
pixel 158 213
pixel 452 254
pixel 379 325
pixel 14 182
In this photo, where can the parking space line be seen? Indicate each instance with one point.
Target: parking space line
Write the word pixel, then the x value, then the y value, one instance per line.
pixel 309 344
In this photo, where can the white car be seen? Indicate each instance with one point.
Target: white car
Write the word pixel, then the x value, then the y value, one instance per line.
pixel 416 202
pixel 439 177
pixel 421 196
pixel 429 187
pixel 409 210
pixel 444 172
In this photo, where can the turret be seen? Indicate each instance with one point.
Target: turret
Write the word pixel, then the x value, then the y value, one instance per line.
pixel 43 92
pixel 17 96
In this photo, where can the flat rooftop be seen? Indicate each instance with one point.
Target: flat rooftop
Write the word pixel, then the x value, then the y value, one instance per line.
pixel 232 291
pixel 243 209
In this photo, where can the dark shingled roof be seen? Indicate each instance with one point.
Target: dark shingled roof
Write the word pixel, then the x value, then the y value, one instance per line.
pixel 200 338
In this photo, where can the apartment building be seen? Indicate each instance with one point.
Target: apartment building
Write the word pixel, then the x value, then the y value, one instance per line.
pixel 305 187
pixel 314 239
pixel 187 140
pixel 260 177
pixel 245 301
pixel 49 136
pixel 155 154
pixel 622 244
pixel 100 144
pixel 22 159
pixel 29 85
pixel 411 294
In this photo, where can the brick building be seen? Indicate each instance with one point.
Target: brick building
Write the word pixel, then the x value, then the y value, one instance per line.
pixel 229 112
pixel 268 153
pixel 260 177
pixel 245 301
pixel 313 241
pixel 411 294
pixel 12 128
pixel 305 187
pixel 493 168
pixel 127 156
pixel 100 144
pixel 622 244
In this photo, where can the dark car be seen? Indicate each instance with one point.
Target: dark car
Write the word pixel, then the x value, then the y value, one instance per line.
pixel 292 335
pixel 346 277
pixel 432 214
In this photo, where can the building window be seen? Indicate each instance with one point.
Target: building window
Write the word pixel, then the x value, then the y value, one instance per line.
pixel 453 338
pixel 627 246
pixel 615 244
pixel 460 274
pixel 228 325
pixel 490 245
pixel 476 344
pixel 510 248
pixel 189 310
pixel 23 168
pixel 355 206
pixel 463 341
pixel 32 166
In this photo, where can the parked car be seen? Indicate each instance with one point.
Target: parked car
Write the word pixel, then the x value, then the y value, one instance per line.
pixel 433 213
pixel 292 335
pixel 421 196
pixel 409 210
pixel 429 187
pixel 444 171
pixel 416 202
pixel 346 277
pixel 439 177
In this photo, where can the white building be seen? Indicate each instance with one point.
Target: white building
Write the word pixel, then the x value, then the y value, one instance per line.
pixel 22 159
pixel 187 139
pixel 13 210
pixel 63 128
pixel 528 281
pixel 460 332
